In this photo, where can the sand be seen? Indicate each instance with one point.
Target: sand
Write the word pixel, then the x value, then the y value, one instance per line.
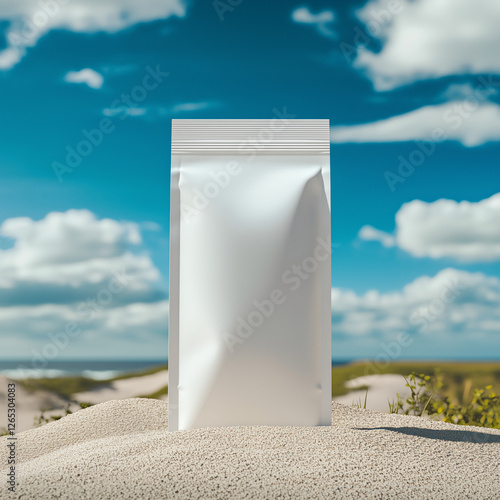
pixel 121 449
pixel 125 388
pixel 381 389
pixel 29 404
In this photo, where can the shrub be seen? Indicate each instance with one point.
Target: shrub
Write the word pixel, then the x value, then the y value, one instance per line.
pixel 42 419
pixel 426 399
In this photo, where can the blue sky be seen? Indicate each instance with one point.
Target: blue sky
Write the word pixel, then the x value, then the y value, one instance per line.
pixel 391 77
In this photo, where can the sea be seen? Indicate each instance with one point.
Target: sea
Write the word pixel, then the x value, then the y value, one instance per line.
pixel 94 369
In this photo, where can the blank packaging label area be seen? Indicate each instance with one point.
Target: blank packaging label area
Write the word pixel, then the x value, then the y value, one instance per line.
pixel 250 273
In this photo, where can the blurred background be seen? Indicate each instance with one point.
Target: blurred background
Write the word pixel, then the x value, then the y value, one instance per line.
pixel 87 93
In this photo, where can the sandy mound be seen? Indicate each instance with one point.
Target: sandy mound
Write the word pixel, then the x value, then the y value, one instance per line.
pixel 121 449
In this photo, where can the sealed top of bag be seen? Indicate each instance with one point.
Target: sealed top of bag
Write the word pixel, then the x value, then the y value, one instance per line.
pixel 280 135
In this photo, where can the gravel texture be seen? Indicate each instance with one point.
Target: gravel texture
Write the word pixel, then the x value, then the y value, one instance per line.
pixel 122 450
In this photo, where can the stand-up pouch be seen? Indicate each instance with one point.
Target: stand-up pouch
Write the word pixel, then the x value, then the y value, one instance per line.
pixel 250 273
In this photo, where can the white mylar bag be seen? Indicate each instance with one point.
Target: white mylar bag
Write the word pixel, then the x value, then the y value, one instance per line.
pixel 250 273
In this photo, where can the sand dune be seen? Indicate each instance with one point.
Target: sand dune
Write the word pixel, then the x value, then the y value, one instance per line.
pixel 125 388
pixel 381 389
pixel 121 449
pixel 29 405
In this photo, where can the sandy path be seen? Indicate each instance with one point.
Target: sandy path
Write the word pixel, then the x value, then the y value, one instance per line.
pixel 121 449
pixel 125 388
pixel 382 388
pixel 29 404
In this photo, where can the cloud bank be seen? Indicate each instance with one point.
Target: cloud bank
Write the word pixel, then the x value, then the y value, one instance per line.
pixel 429 39
pixel 71 271
pixel 449 306
pixel 465 231
pixel 470 122
pixel 30 20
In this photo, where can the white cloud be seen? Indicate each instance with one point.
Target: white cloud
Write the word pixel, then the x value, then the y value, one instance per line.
pixel 150 226
pixel 429 39
pixel 369 233
pixel 69 256
pixel 322 21
pixel 462 91
pixel 88 76
pixel 10 57
pixel 465 231
pixel 446 306
pixel 30 20
pixel 125 111
pixel 135 316
pixel 152 113
pixel 192 106
pixel 39 333
pixel 72 268
pixel 471 122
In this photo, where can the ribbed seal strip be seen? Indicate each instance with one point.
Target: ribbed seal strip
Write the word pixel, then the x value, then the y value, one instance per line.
pixel 256 136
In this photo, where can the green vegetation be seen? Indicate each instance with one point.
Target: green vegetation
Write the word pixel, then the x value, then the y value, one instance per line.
pixel 439 390
pixel 42 419
pixel 361 404
pixel 427 399
pixel 148 371
pixel 158 394
pixel 68 386
pixel 458 378
pixel 64 386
